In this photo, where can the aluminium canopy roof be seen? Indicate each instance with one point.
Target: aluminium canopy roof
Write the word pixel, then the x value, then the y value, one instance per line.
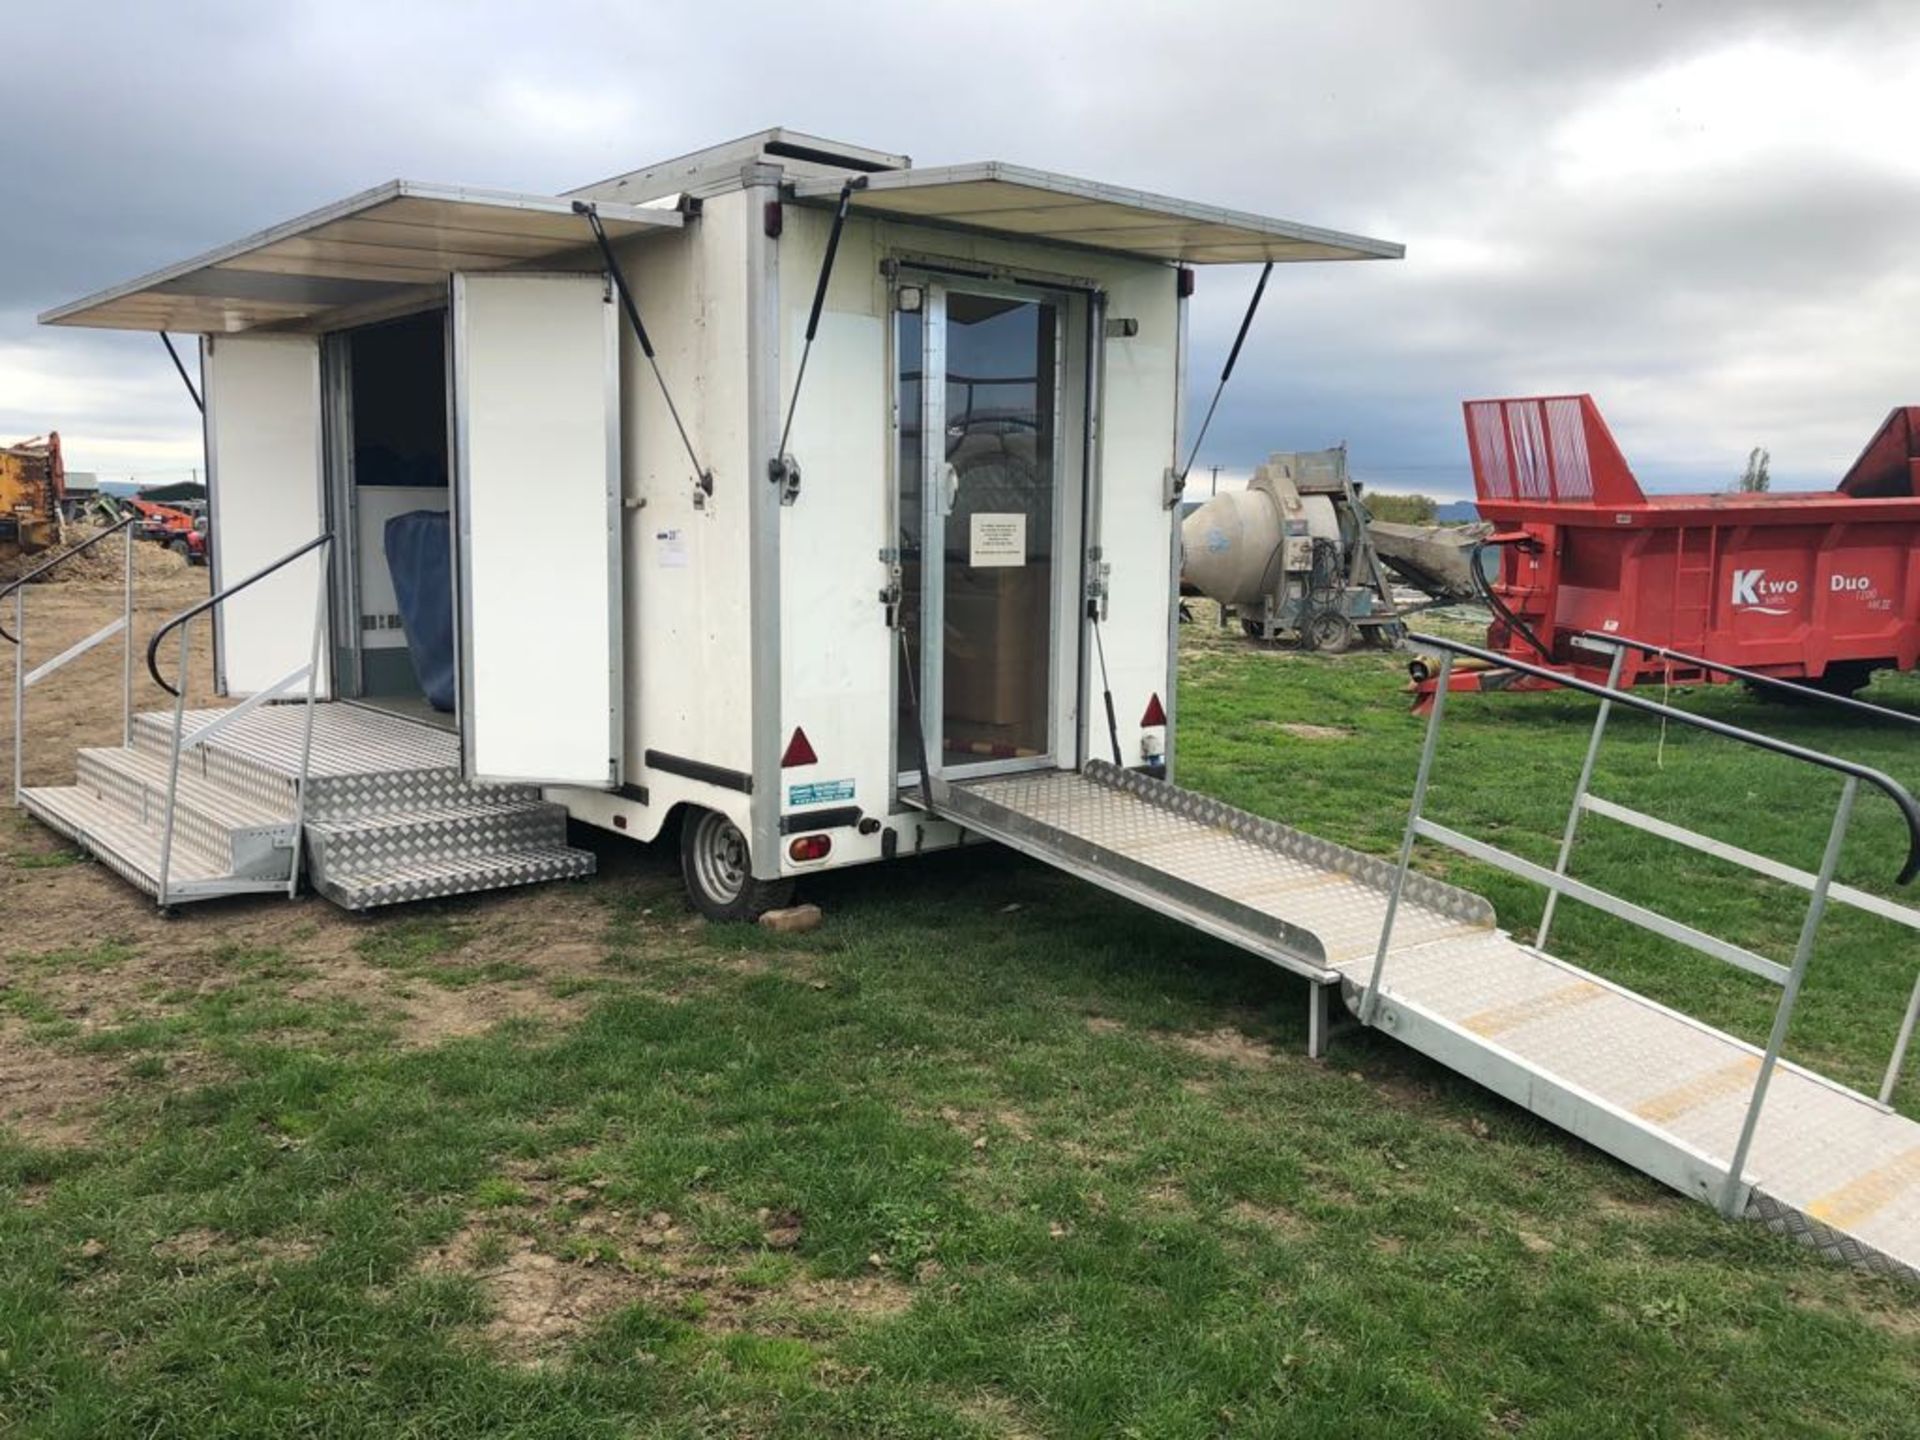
pixel 1011 199
pixel 384 247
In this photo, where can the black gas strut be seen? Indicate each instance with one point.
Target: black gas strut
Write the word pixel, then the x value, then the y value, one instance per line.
pixel 185 379
pixel 592 212
pixel 781 469
pixel 1233 356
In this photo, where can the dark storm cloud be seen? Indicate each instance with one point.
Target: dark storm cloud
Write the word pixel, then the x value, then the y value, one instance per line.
pixel 146 133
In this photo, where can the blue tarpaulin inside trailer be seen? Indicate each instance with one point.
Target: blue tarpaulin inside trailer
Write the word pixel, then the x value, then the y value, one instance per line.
pixel 420 559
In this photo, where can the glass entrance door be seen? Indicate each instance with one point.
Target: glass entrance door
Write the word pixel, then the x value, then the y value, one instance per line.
pixel 980 461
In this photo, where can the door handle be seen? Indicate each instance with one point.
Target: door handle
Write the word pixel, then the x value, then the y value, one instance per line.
pixel 949 489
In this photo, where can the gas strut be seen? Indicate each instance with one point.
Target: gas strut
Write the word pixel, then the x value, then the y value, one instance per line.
pixel 704 476
pixel 1246 322
pixel 780 469
pixel 185 379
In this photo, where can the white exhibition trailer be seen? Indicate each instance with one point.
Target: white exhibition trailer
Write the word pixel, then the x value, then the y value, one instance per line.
pixel 541 567
pixel 651 622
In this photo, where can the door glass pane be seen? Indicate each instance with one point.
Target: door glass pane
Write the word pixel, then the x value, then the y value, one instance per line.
pixel 997 566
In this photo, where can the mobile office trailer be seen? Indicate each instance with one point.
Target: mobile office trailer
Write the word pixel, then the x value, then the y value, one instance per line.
pixel 650 616
pixel 965 543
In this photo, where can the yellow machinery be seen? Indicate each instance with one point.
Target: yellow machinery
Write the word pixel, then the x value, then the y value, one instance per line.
pixel 32 485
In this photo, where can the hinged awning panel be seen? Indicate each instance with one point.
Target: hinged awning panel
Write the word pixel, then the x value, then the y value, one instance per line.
pixel 380 247
pixel 1035 204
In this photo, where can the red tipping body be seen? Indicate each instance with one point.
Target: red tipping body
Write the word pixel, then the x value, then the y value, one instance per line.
pixel 1820 587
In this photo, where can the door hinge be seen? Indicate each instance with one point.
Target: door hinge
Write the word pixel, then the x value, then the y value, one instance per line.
pixel 890 595
pixel 1174 486
pixel 784 471
pixel 1098 571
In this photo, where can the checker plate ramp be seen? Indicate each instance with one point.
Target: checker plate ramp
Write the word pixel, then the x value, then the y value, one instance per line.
pixel 389 817
pixel 1660 1091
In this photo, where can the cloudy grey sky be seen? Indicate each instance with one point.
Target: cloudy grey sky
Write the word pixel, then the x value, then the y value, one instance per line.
pixel 1703 213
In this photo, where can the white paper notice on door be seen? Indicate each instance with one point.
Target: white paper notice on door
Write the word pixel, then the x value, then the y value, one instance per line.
pixel 997 540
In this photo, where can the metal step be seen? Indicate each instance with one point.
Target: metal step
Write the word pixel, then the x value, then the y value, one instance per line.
pixel 458 875
pixel 363 761
pixel 404 837
pixel 130 847
pixel 253 839
pixel 1662 1092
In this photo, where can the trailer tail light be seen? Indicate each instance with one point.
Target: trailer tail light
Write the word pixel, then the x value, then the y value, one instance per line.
pixel 809 847
pixel 799 751
pixel 1156 713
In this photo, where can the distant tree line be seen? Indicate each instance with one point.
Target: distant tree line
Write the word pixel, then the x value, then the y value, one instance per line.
pixel 1402 509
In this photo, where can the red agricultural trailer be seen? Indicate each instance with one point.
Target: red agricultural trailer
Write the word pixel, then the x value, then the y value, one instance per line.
pixel 1817 588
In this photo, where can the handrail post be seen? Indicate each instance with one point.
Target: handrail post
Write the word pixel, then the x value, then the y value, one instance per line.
pixel 306 732
pixel 1899 1060
pixel 1431 744
pixel 1580 796
pixel 173 768
pixel 126 665
pixel 19 690
pixel 1790 995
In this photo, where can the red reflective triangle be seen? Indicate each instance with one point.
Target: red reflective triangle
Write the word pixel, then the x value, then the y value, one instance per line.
pixel 1155 714
pixel 799 750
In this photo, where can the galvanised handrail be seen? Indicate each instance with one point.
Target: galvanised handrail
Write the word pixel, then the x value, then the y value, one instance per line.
pixel 182 741
pixel 58 560
pixel 1752 677
pixel 25 679
pixel 219 596
pixel 1789 978
pixel 1879 779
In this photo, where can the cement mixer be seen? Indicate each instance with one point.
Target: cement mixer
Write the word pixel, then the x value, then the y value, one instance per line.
pixel 1290 556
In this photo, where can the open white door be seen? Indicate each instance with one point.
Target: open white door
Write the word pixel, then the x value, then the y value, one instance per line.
pixel 537 461
pixel 263 476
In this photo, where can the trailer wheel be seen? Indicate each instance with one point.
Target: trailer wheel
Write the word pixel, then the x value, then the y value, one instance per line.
pixel 1330 632
pixel 718 870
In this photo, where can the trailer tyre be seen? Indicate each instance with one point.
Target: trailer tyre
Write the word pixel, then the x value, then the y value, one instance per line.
pixel 1331 633
pixel 718 870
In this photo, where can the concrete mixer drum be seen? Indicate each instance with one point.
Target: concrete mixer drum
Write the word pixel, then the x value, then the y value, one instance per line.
pixel 1289 557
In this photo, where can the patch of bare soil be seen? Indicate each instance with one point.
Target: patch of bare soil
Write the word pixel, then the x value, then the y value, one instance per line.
pixel 1280 1220
pixel 1301 731
pixel 1227 1045
pixel 199 1250
pixel 998 1415
pixel 1102 1025
pixel 50 1096
pixel 561 1260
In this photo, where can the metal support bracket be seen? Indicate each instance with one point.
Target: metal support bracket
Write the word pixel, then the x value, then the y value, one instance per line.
pixel 784 471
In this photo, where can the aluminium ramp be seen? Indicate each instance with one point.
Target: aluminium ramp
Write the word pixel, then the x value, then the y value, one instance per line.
pixel 1663 1093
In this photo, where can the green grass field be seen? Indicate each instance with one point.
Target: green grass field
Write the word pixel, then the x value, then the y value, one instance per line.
pixel 988 1154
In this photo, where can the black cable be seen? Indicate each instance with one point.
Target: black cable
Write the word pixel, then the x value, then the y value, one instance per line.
pixel 1106 686
pixel 185 379
pixel 1499 607
pixel 583 207
pixel 819 299
pixel 1233 356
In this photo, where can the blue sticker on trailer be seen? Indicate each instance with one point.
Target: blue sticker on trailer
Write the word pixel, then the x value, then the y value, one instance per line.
pixel 819 792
